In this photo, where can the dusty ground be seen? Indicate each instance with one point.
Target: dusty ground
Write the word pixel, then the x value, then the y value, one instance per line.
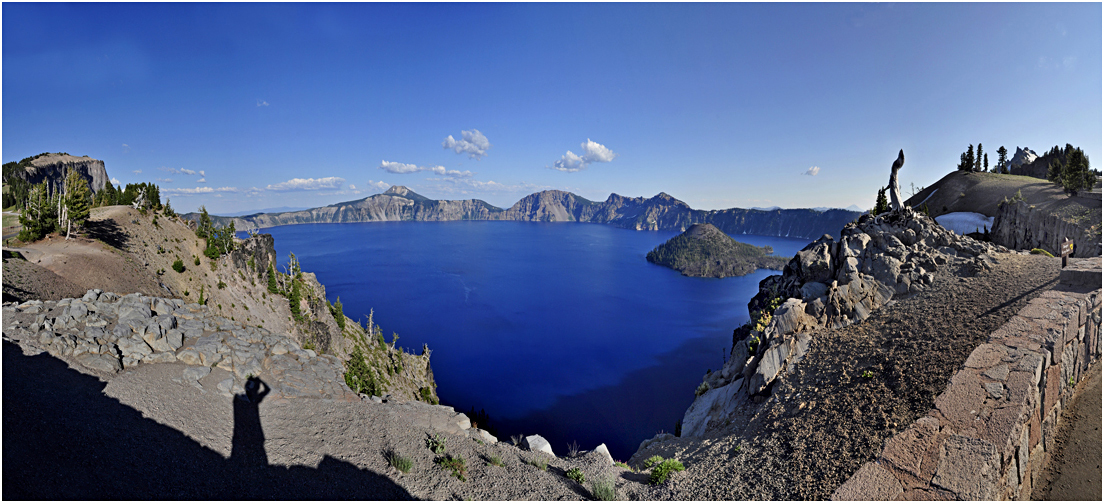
pixel 826 420
pixel 1074 471
pixel 983 192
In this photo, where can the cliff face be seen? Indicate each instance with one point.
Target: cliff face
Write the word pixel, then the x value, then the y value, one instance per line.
pixel 660 212
pixel 51 167
pixel 1019 225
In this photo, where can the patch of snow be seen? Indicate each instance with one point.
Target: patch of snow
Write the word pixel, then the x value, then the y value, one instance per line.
pixel 965 222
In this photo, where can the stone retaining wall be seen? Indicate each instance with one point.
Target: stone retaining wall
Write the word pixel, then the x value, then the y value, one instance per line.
pixel 993 427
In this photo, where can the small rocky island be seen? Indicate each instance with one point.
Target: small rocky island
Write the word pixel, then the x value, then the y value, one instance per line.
pixel 704 251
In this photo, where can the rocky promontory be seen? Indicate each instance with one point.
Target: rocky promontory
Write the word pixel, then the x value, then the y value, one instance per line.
pixel 51 167
pixel 704 251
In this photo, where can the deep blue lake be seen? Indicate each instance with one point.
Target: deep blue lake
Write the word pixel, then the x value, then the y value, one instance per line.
pixel 558 329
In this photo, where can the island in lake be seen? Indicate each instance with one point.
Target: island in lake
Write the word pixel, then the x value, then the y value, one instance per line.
pixel 704 251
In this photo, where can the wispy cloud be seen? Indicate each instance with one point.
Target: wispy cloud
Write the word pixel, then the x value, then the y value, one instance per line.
pixel 136 172
pixel 177 171
pixel 472 142
pixel 262 103
pixel 466 186
pixel 165 180
pixel 380 185
pixel 401 168
pixel 812 171
pixel 126 148
pixel 310 184
pixel 202 174
pixel 592 152
pixel 114 181
pixel 189 191
pixel 201 181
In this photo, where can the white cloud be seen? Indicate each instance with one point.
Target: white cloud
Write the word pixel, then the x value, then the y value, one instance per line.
pixel 472 142
pixel 381 185
pixel 298 184
pixel 202 174
pixel 201 181
pixel 137 172
pixel 114 181
pixel 593 152
pixel 393 167
pixel 126 148
pixel 164 180
pixel 352 187
pixel 187 192
pixel 812 171
pixel 187 171
pixel 177 171
pixel 262 103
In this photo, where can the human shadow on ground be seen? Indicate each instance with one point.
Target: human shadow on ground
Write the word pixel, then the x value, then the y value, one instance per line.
pixel 65 439
pixel 107 231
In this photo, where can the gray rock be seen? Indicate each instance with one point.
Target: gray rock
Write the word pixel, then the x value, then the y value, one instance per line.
pixel 537 443
pixel 483 435
pixel 196 373
pixel 99 362
pixel 770 365
pixel 601 449
pixel 159 358
pixel 225 386
pixel 250 368
pixel 175 339
pixel 462 421
pixel 189 356
pixel 133 348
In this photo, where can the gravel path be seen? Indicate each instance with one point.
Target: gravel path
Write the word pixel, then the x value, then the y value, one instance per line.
pixel 827 419
pixel 1074 472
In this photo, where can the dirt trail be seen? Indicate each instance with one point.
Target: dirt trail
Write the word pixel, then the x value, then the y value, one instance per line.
pixel 1074 472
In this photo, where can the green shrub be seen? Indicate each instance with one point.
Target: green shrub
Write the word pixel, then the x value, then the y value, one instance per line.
pixel 197 261
pixel 623 465
pixel 702 389
pixel 400 462
pixel 427 396
pixel 603 490
pixel 1040 251
pixel 454 464
pixel 867 375
pixel 653 460
pixel 661 472
pixel 436 444
pixel 539 463
pixel 222 284
pixel 575 475
pixel 178 266
pixel 358 375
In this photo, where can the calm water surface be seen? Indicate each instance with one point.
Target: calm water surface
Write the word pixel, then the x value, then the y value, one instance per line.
pixel 559 329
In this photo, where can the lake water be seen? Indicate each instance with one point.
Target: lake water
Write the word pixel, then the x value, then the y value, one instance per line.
pixel 558 329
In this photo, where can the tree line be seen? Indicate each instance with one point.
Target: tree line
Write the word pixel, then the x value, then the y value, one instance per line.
pixel 1068 167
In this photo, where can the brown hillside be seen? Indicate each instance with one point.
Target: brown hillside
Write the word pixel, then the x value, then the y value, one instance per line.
pixel 983 193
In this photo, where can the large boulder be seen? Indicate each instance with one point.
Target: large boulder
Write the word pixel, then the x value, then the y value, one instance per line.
pixel 537 443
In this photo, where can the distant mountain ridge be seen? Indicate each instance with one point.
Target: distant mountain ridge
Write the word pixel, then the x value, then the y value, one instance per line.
pixel 660 212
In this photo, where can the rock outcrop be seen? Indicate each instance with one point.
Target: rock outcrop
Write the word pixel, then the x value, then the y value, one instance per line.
pixel 1019 225
pixel 1022 156
pixel 52 168
pixel 656 213
pixel 829 284
pixel 108 333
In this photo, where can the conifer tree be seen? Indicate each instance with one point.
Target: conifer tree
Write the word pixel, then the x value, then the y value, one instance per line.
pixel 78 200
pixel 1076 174
pixel 978 159
pixel 1003 159
pixel 293 299
pixel 986 163
pixel 881 205
pixel 272 280
pixel 39 216
pixel 970 159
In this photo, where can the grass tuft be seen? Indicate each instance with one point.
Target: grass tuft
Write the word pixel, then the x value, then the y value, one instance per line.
pixel 661 472
pixel 603 490
pixel 400 462
pixel 454 464
pixel 575 475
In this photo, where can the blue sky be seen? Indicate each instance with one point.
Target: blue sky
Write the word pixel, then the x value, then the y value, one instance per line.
pixel 720 105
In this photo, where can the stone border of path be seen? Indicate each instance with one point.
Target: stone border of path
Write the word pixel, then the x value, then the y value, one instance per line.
pixel 994 427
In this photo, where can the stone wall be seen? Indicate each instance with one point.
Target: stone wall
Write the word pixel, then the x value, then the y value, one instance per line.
pixel 994 426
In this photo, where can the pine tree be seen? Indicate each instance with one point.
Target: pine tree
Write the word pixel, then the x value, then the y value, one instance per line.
pixel 272 280
pixel 1055 171
pixel 986 163
pixel 39 216
pixel 1003 159
pixel 293 300
pixel 203 229
pixel 978 159
pixel 1076 174
pixel 881 206
pixel 970 159
pixel 78 201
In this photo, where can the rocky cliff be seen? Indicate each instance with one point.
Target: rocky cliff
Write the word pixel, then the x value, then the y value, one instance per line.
pixel 704 251
pixel 1019 225
pixel 52 167
pixel 828 284
pixel 660 212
